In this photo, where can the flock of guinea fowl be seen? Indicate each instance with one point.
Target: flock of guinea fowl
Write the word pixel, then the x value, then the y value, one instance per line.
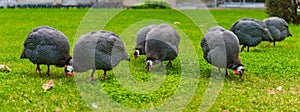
pixel 103 50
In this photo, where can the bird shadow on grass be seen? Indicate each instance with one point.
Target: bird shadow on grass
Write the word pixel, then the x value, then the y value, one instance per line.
pixel 206 73
pixel 53 75
pixel 252 50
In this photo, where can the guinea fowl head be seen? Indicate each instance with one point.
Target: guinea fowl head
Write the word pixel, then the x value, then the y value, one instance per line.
pixel 136 53
pixel 239 70
pixel 69 67
pixel 149 63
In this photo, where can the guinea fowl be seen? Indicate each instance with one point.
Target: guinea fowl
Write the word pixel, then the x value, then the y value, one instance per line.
pixel 266 36
pixel 250 32
pixel 161 44
pixel 221 49
pixel 140 40
pixel 98 50
pixel 278 28
pixel 46 45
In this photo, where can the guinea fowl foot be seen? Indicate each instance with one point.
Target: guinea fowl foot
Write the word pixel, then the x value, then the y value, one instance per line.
pixel 38 69
pixel 227 74
pixel 91 79
pixel 243 47
pixel 104 75
pixel 47 74
pixel 169 63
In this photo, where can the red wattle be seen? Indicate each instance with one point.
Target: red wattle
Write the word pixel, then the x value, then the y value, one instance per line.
pixel 71 74
pixel 235 72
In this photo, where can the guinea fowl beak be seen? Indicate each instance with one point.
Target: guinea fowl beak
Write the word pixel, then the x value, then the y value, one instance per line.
pixel 69 70
pixel 135 56
pixel 239 71
pixel 148 68
pixel 70 74
pixel 149 65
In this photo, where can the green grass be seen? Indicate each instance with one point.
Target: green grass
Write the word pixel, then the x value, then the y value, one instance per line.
pixel 267 67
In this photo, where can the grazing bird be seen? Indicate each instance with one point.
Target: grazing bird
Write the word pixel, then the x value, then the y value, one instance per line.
pixel 221 49
pixel 161 44
pixel 98 50
pixel 251 32
pixel 140 40
pixel 278 28
pixel 46 45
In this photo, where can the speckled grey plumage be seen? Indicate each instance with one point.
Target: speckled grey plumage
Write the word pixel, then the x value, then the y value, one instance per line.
pixel 162 43
pixel 250 32
pixel 221 48
pixel 141 38
pixel 46 45
pixel 98 50
pixel 278 28
pixel 266 35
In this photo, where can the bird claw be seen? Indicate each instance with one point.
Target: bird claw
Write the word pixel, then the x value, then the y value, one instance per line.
pixel 169 65
pixel 47 74
pixel 91 79
pixel 38 71
pixel 104 77
pixel 228 74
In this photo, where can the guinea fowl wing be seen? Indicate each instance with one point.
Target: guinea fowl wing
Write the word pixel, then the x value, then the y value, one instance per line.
pixel 162 43
pixel 45 45
pixel 215 47
pixel 248 33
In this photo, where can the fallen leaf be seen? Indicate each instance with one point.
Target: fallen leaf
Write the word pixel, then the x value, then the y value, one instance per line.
pixel 176 22
pixel 48 85
pixel 279 88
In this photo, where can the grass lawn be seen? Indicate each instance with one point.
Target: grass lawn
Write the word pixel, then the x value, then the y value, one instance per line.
pixel 181 87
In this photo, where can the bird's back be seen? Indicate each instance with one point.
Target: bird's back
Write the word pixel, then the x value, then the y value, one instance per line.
pixel 213 47
pixel 279 28
pixel 266 34
pixel 103 49
pixel 45 45
pixel 249 33
pixel 162 42
pixel 141 38
pixel 220 47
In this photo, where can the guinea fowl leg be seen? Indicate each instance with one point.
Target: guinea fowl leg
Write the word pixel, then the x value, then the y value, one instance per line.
pixel 169 63
pixel 38 69
pixel 104 75
pixel 248 49
pixel 227 73
pixel 92 75
pixel 274 43
pixel 242 49
pixel 48 72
